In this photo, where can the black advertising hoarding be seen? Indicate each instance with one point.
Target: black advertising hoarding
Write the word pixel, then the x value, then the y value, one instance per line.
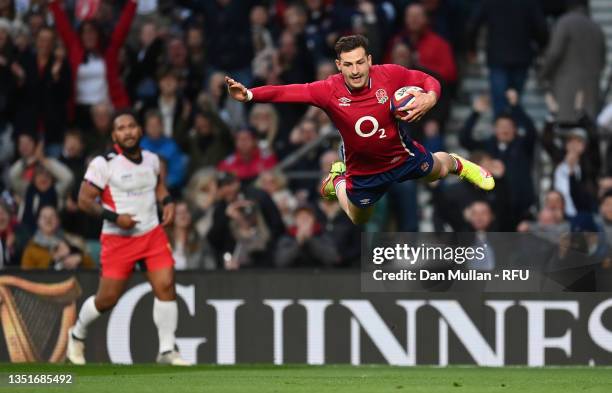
pixel 324 317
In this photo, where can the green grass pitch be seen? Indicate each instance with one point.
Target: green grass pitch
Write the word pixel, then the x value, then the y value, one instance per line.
pixel 314 379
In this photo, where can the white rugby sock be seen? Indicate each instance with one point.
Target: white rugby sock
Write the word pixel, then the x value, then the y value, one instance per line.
pixel 87 315
pixel 165 316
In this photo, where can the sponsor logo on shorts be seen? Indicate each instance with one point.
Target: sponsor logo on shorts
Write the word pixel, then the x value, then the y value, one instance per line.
pixel 424 166
pixel 381 96
pixel 364 201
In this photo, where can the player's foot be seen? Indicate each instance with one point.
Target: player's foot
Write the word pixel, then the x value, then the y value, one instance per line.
pixel 328 188
pixel 173 358
pixel 75 353
pixel 474 173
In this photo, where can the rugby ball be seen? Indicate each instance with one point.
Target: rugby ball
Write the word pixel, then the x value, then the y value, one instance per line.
pixel 402 97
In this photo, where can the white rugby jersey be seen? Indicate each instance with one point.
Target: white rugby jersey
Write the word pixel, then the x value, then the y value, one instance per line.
pixel 128 187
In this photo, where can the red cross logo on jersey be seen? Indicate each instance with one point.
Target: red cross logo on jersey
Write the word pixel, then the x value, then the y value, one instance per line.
pixel 381 96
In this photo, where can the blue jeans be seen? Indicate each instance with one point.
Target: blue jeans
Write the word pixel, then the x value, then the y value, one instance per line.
pixel 503 78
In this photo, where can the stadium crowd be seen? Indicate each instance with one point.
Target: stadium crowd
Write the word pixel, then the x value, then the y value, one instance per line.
pixel 246 177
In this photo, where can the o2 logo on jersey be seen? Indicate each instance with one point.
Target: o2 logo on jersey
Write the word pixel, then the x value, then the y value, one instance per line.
pixel 375 129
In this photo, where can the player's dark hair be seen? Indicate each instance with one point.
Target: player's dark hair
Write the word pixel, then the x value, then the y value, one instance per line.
pixel 123 112
pixel 349 43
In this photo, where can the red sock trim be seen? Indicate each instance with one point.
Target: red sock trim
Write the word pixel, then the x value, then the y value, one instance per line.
pixel 337 179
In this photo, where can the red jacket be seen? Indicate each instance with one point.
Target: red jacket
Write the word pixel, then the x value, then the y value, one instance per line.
pixel 434 53
pixel 246 170
pixel 76 52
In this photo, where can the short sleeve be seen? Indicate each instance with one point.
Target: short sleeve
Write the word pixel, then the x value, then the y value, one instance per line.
pixel 98 172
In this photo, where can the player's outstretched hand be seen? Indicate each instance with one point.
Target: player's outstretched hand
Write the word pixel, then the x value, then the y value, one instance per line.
pixel 168 214
pixel 126 221
pixel 236 89
pixel 422 103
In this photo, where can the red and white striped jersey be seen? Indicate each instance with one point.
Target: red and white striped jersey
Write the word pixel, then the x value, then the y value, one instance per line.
pixel 128 187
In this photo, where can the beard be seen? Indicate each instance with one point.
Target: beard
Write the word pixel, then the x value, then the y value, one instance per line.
pixel 131 149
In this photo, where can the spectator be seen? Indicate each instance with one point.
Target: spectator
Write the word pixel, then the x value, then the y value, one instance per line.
pixel 481 221
pixel 246 224
pixel 209 141
pixel 173 108
pixel 433 51
pixel 549 225
pixel 342 232
pixel 605 185
pixel 326 127
pixel 304 134
pixel 293 62
pixel 31 157
pixel 51 248
pixel 479 216
pixel 188 249
pixel 7 10
pixel 95 68
pixel 231 111
pixel 450 200
pixel 35 20
pixel 11 75
pixel 155 141
pixel 260 34
pixel 97 140
pixel 249 160
pixel 574 61
pixel 73 156
pixel 514 150
pixel 46 189
pixel 197 59
pixel 143 62
pixel 12 237
pixel 555 134
pixel 306 245
pixel 190 78
pixel 263 118
pixel 275 184
pixel 200 195
pixel 554 201
pixel 514 27
pixel 572 178
pixel 43 98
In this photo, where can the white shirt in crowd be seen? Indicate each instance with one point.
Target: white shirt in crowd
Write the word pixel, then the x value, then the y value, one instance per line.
pixel 91 83
pixel 167 113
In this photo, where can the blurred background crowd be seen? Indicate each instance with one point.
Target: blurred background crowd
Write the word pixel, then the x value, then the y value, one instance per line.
pixel 525 94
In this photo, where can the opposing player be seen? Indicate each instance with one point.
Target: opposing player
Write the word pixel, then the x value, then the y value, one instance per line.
pixel 129 182
pixel 376 152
